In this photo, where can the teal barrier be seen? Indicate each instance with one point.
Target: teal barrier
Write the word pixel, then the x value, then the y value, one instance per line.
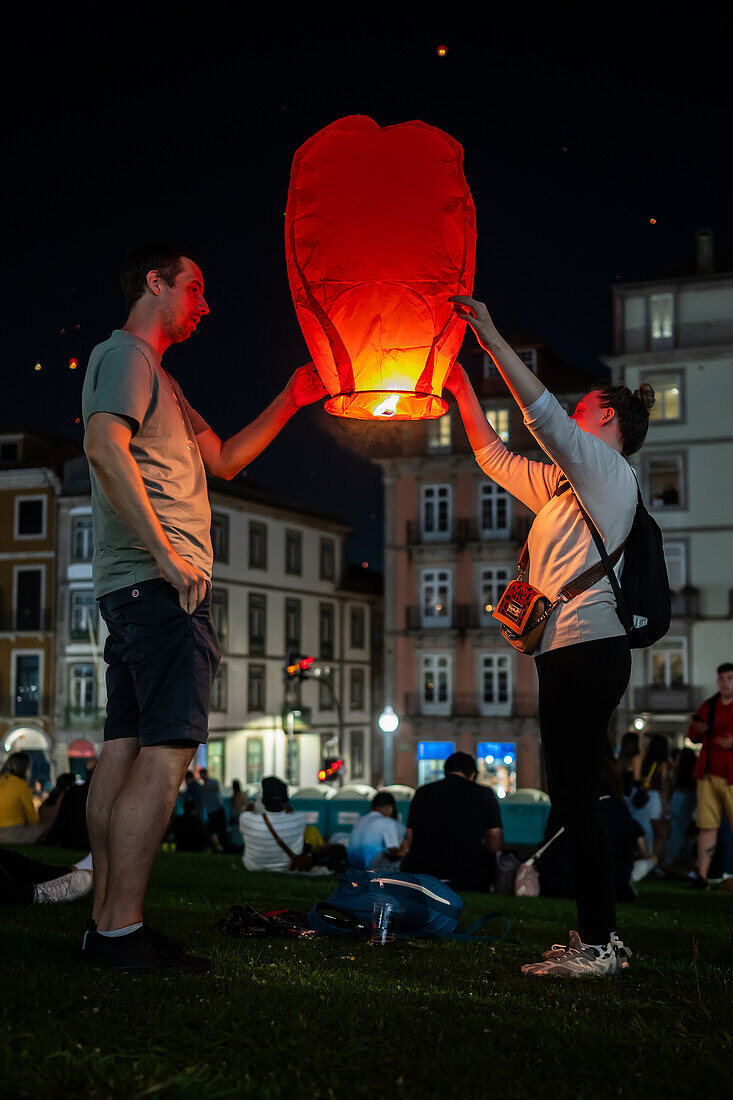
pixel 316 812
pixel 524 823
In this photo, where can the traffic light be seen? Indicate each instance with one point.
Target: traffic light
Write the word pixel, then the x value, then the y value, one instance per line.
pixel 332 765
pixel 298 667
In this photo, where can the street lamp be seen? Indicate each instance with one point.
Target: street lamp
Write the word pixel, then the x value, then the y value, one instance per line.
pixel 388 723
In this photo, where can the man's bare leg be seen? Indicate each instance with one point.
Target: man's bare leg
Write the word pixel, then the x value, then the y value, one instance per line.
pixel 706 843
pixel 137 823
pixel 115 761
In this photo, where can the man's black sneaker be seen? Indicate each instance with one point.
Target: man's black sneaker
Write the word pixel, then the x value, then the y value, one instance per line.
pixel 144 949
pixel 699 883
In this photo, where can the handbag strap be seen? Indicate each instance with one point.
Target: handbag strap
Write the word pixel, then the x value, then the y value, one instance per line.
pixel 594 573
pixel 288 851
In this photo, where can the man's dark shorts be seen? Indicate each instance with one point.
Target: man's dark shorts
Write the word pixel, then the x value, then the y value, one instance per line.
pixel 161 664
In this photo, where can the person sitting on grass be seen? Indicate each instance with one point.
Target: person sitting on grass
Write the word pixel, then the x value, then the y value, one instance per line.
pixel 19 822
pixel 49 808
pixel 262 852
pixel 375 843
pixel 454 828
pixel 25 881
pixel 189 833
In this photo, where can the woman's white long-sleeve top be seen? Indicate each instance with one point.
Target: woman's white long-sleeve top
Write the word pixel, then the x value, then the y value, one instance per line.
pixel 560 543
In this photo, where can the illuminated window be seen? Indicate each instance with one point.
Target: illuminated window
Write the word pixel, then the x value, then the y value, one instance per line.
pixel 493 511
pixel 435 600
pixel 27 684
pixel 255 760
pixel 668 396
pixel 83 688
pixel 499 420
pixel 661 319
pixel 669 663
pixel 439 434
pixel 82 613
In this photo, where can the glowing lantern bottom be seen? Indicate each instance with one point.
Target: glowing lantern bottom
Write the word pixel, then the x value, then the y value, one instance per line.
pixel 387 405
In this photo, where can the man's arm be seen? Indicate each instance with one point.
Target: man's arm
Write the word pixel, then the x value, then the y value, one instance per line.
pixel 227 459
pixel 107 446
pixel 494 839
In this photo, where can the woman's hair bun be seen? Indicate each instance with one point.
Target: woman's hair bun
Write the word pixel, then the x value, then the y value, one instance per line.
pixel 646 393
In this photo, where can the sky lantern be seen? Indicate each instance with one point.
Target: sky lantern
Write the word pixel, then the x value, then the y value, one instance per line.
pixel 380 231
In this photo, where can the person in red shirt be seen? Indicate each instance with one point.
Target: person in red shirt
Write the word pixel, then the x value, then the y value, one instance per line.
pixel 714 771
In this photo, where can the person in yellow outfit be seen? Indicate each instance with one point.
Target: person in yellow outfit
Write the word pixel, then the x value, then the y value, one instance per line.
pixel 19 822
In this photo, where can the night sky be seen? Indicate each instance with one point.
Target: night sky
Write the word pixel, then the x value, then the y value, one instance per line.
pixel 577 128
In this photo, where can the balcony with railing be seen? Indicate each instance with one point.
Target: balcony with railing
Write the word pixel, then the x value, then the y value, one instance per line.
pixel 454 616
pixel 84 717
pixel 24 705
pixel 470 704
pixel 466 529
pixel 25 621
pixel 677 697
pixel 686 603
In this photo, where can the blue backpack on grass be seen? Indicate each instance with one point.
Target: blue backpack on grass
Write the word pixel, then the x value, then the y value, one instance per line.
pixel 423 906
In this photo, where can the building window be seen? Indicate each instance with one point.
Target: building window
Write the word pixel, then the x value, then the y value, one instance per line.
pixel 675 554
pixel 220 615
pixel 255 760
pixel 494 580
pixel 28 590
pixel 328 560
pixel 435 600
pixel 357 754
pixel 358 628
pixel 257 616
pixel 30 517
pixel 439 435
pixel 220 688
pixel 325 696
pixel 666 482
pixel 82 614
pixel 27 685
pixel 292 626
pixel 435 685
pixel 82 541
pixel 436 513
pixel 256 688
pixel 257 545
pixel 293 552
pixel 215 751
pixel 493 511
pixel 661 320
pixel 83 688
pixel 356 689
pixel 292 761
pixel 669 663
pixel 326 622
pixel 499 420
pixel 667 396
pixel 220 536
pixel 496 683
pixel 9 452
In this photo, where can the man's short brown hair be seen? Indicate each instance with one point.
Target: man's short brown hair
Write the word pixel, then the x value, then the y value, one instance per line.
pixel 165 258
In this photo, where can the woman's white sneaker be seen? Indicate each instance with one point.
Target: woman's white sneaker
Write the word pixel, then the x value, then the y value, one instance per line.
pixel 577 960
pixel 66 888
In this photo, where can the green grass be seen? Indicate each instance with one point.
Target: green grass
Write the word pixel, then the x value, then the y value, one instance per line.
pixel 337 1018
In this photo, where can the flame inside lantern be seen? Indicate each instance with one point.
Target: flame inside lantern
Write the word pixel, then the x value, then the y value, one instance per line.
pixel 380 231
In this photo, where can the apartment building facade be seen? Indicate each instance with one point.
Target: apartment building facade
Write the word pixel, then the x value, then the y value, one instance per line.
pixel 452 540
pixel 676 333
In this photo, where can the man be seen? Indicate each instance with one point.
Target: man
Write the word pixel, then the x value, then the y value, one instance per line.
pixel 375 843
pixel 149 453
pixel 214 806
pixel 261 849
pixel 188 832
pixel 195 794
pixel 712 725
pixel 454 828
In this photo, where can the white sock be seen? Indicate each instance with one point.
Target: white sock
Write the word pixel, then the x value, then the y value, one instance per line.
pixel 122 931
pixel 84 864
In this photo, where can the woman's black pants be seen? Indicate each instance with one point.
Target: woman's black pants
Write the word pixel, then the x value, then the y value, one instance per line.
pixel 580 687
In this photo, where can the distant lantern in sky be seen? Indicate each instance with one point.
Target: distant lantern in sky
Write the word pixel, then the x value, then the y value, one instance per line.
pixel 37 366
pixel 442 51
pixel 73 364
pixel 380 231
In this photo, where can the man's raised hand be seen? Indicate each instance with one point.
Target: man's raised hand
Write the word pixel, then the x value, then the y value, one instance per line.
pixel 305 387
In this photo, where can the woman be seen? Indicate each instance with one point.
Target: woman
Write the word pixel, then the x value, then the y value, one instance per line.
pixel 19 823
pixel 583 660
pixel 682 812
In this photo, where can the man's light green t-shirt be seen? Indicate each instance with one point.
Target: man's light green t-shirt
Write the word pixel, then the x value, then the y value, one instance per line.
pixel 125 377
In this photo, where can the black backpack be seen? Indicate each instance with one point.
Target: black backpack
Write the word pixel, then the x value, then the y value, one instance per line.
pixel 643 602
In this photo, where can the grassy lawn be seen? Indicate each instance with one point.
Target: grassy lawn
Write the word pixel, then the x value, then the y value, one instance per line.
pixel 337 1018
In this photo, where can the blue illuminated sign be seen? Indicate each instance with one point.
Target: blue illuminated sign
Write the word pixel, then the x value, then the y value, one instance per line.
pixel 435 750
pixel 498 749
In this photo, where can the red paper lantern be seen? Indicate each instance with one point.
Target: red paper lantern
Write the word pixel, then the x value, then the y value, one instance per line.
pixel 380 230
